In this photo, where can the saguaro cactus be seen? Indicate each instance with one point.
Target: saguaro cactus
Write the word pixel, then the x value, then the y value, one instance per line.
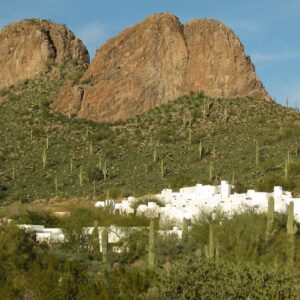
pixel 210 251
pixel 204 112
pixel 270 218
pixel 44 158
pixel 94 187
pixel 104 245
pixel 91 148
pixel 200 148
pixel 226 116
pixel 210 171
pixel 185 231
pixel 211 242
pixel 214 152
pixel 291 231
pixel 151 255
pixel 55 183
pixel 190 135
pixel 31 135
pixel 80 177
pixel 99 165
pixel 104 171
pixel 162 169
pixel 290 225
pixel 71 165
pixel 257 154
pixel 95 239
pixel 286 170
pixel 47 141
pixel 154 154
pixel 13 172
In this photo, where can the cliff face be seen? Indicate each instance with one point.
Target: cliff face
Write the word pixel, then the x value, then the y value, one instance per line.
pixel 28 47
pixel 137 70
pixel 158 60
pixel 217 62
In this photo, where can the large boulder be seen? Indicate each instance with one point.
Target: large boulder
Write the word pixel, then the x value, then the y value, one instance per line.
pixel 161 59
pixel 29 47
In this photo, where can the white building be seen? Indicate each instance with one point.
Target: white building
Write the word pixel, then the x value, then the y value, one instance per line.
pixel 189 201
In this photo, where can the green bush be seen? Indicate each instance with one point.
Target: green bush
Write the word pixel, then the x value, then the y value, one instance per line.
pixel 45 218
pixel 94 173
pixel 145 201
pixel 268 183
pixel 4 92
pixel 3 192
pixel 164 136
pixel 201 279
pixel 181 180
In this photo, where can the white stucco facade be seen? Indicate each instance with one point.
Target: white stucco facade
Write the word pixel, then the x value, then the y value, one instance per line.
pixel 188 202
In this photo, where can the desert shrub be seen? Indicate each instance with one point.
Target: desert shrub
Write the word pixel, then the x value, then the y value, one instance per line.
pixel 45 103
pixel 109 150
pixel 135 243
pixel 270 181
pixel 87 80
pixel 45 218
pixel 4 92
pixel 38 131
pixel 181 180
pixel 13 97
pixel 198 136
pixel 268 165
pixel 294 169
pixel 3 154
pixel 17 248
pixel 101 134
pixel 145 201
pixel 240 187
pixel 287 132
pixel 3 192
pixel 114 193
pixel 75 75
pixel 21 195
pixel 193 155
pixel 164 136
pixel 94 173
pixel 201 279
pixel 168 248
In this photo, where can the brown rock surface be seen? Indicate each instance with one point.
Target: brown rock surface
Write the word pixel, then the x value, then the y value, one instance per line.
pixel 217 63
pixel 139 69
pixel 28 47
pixel 160 59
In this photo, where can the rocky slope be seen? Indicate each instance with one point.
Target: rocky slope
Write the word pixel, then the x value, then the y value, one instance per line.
pixel 158 60
pixel 29 47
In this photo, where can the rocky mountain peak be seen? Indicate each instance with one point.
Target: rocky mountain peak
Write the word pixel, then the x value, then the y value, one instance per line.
pixel 29 46
pixel 157 60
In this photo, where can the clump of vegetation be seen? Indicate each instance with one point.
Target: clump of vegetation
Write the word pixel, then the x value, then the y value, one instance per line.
pixel 240 261
pixel 145 201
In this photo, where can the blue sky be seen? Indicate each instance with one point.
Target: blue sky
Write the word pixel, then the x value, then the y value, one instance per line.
pixel 269 29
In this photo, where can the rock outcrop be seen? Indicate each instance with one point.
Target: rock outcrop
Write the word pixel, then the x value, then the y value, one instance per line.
pixel 29 47
pixel 158 60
